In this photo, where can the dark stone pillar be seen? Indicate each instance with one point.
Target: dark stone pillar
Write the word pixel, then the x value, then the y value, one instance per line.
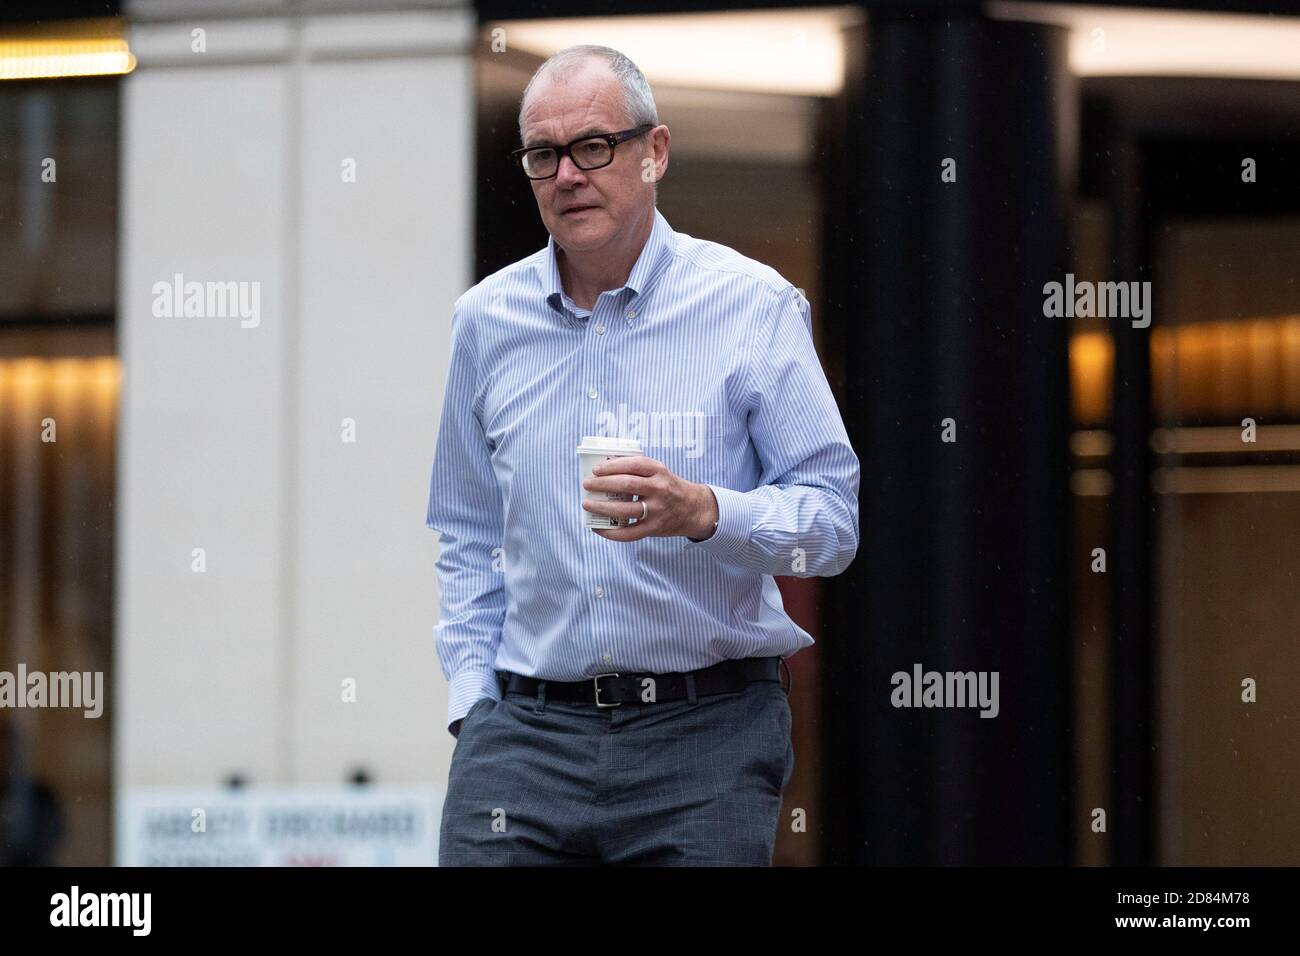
pixel 935 289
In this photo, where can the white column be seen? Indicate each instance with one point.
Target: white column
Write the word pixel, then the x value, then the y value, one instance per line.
pixel 236 168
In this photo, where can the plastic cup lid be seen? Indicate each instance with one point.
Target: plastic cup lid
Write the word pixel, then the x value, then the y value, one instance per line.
pixel 602 445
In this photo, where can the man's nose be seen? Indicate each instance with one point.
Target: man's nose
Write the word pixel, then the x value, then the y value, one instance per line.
pixel 568 173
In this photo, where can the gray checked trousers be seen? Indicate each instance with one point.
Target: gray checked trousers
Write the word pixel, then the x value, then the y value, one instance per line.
pixel 535 782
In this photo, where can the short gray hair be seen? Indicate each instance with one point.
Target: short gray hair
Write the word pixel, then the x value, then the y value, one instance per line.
pixel 638 101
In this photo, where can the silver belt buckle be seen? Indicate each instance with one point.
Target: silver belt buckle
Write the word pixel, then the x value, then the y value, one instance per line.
pixel 595 681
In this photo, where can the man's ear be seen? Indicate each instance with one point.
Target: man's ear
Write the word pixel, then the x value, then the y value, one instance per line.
pixel 661 136
pixel 654 165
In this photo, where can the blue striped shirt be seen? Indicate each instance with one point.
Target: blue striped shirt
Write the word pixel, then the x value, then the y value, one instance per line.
pixel 707 357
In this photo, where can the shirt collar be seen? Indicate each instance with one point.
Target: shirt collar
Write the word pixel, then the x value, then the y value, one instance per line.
pixel 650 264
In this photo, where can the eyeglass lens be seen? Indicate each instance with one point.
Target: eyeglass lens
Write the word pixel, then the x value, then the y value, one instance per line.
pixel 588 154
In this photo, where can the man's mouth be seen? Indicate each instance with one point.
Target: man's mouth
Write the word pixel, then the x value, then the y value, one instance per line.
pixel 573 210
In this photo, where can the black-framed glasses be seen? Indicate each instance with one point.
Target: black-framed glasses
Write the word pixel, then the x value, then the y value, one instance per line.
pixel 588 152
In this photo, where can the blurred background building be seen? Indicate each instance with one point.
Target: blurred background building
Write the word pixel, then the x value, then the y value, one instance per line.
pixel 223 514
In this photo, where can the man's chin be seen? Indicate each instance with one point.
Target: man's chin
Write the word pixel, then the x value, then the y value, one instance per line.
pixel 581 236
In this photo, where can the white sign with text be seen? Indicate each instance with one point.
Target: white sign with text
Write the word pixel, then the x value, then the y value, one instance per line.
pixel 279 826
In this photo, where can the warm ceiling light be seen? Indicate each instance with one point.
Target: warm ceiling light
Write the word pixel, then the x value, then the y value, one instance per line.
pixel 772 51
pixel 1122 41
pixel 65 48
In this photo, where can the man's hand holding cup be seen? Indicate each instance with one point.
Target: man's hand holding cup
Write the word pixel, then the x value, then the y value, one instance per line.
pixel 673 505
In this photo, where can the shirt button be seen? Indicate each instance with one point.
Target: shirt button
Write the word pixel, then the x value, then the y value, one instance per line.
pixel 592 393
pixel 631 313
pixel 600 592
pixel 606 658
pixel 600 330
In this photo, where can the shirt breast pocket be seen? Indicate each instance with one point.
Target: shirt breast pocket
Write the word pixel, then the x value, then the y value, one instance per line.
pixel 695 451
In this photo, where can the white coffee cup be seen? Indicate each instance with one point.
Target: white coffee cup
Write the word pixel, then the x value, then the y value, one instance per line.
pixel 593 450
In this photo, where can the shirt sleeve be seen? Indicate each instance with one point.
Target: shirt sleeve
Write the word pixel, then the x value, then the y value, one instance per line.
pixel 801 520
pixel 465 506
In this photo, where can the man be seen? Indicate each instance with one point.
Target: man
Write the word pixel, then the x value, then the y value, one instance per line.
pixel 616 693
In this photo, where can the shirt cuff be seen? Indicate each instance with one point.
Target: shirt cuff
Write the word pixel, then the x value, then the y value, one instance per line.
pixel 468 688
pixel 732 536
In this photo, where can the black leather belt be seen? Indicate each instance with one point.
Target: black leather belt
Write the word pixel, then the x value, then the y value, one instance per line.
pixel 613 689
